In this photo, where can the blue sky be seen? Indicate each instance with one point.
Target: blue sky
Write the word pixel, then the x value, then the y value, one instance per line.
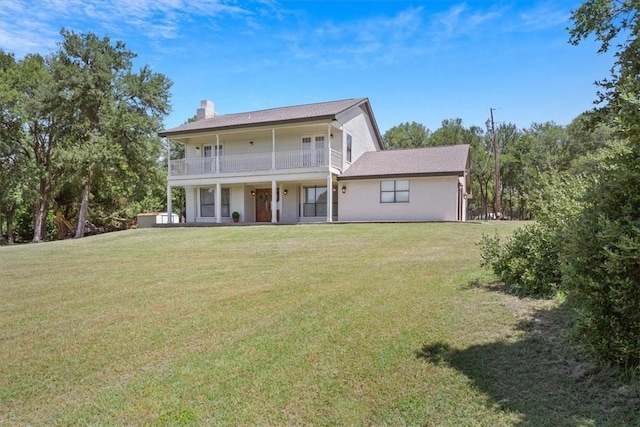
pixel 421 61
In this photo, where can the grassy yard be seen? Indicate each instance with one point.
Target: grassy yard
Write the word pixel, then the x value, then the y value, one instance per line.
pixel 343 324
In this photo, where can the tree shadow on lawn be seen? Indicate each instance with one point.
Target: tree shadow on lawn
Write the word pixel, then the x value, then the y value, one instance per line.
pixel 543 376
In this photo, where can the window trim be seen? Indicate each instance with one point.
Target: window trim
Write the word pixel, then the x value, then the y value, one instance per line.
pixel 303 202
pixel 395 192
pixel 213 205
pixel 223 213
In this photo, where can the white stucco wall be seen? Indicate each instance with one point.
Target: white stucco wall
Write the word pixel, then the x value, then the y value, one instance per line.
pixel 191 204
pixel 430 199
pixel 363 139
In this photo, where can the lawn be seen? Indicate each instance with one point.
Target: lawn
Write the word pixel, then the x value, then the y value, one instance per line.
pixel 328 324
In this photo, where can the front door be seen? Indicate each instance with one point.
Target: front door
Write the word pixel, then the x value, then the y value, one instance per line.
pixel 263 205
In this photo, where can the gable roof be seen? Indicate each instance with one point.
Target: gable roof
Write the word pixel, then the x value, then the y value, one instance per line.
pixel 429 161
pixel 274 116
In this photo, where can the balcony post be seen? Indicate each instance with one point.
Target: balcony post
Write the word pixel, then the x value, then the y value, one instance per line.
pixel 273 149
pixel 168 142
pixel 329 147
pixel 217 153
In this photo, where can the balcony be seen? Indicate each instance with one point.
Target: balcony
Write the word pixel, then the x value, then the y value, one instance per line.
pixel 242 163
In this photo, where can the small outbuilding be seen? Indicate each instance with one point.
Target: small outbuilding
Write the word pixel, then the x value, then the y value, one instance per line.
pixel 149 219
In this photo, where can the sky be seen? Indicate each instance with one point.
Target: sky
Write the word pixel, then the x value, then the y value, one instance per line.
pixel 416 61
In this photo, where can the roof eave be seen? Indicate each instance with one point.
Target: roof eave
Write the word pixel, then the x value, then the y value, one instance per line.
pixel 401 175
pixel 169 133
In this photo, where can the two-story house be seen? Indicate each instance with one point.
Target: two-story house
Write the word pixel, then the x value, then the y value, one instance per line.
pixel 284 165
pixel 275 165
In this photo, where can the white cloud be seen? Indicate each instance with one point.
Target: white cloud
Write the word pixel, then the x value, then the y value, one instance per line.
pixel 543 16
pixel 33 26
pixel 361 43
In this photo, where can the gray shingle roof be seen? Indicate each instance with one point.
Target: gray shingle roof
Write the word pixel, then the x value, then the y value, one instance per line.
pixel 443 160
pixel 322 110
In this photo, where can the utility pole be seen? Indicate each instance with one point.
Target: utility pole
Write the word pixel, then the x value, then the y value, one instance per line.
pixel 496 157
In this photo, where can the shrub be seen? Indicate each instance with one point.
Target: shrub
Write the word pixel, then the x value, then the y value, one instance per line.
pixel 527 262
pixel 601 263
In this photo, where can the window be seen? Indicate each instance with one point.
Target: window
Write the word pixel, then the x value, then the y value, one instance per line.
pixel 208 163
pixel 315 202
pixel 394 191
pixel 349 141
pixel 319 150
pixel 208 203
pixel 306 150
pixel 313 155
pixel 224 203
pixel 209 154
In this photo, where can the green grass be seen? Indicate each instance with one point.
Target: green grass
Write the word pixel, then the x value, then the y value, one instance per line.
pixel 344 324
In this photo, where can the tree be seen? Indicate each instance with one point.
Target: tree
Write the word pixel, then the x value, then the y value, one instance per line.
pixel 11 139
pixel 614 22
pixel 406 135
pixel 451 132
pixel 601 262
pixel 31 133
pixel 115 113
pixel 511 165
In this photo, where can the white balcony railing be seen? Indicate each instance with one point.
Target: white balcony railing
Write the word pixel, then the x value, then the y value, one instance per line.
pixel 297 159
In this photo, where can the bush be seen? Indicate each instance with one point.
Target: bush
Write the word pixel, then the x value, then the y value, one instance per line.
pixel 601 264
pixel 527 262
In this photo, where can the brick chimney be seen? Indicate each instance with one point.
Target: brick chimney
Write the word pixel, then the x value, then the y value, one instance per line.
pixel 206 110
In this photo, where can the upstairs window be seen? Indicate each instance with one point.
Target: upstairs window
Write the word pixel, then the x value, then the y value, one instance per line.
pixel 349 142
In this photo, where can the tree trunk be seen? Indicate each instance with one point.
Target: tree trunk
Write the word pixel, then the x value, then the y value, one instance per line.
pixel 9 218
pixel 2 242
pixel 39 223
pixel 84 205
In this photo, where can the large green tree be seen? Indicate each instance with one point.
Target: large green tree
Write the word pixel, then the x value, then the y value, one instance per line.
pixel 602 257
pixel 406 135
pixel 115 112
pixel 32 130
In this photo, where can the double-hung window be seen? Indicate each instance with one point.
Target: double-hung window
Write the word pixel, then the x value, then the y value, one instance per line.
pixel 208 202
pixel 396 191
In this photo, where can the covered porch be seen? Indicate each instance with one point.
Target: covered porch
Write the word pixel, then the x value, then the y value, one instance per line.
pixel 283 199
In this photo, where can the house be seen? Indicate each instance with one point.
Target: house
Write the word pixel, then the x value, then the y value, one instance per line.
pixel 287 165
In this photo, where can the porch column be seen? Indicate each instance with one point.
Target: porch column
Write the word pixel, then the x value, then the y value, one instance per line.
pixel 169 216
pixel 273 149
pixel 218 203
pixel 329 199
pixel 274 202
